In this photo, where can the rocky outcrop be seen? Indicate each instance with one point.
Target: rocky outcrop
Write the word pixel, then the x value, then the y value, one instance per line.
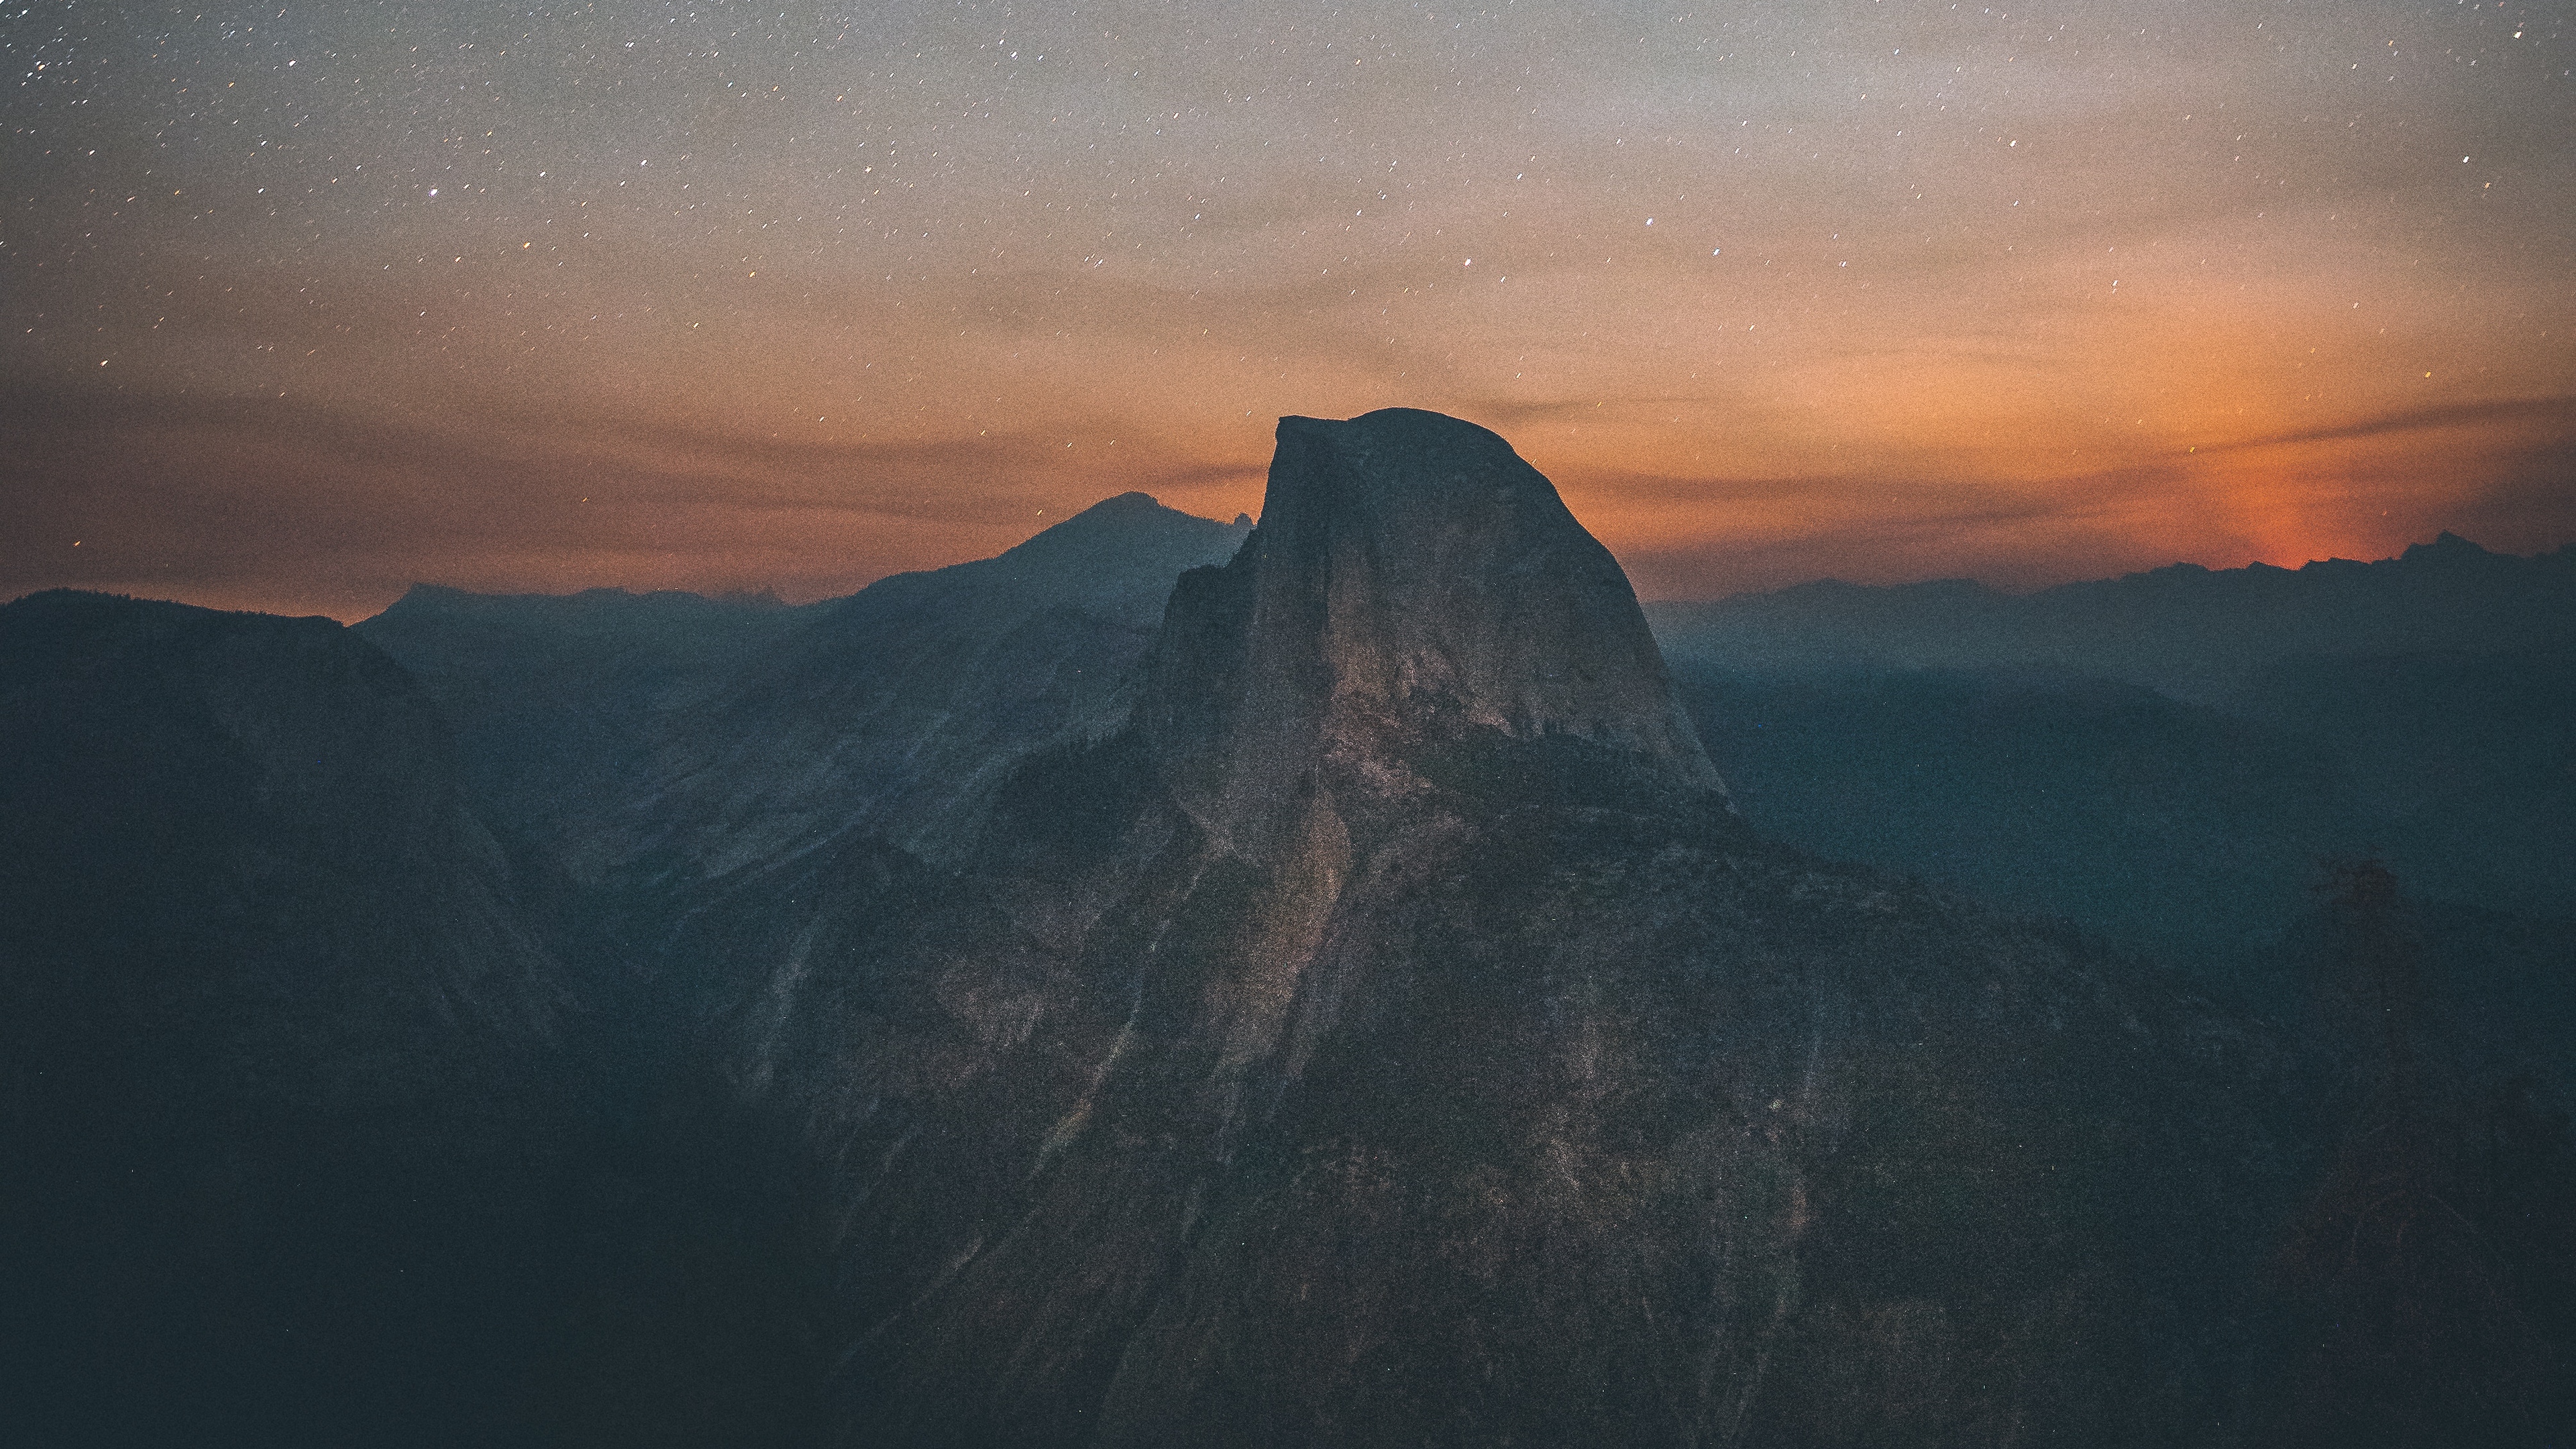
pixel 1389 1036
pixel 1414 588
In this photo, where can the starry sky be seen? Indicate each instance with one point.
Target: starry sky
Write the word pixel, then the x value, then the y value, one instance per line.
pixel 305 302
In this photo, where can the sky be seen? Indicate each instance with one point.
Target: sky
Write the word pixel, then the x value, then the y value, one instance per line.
pixel 302 303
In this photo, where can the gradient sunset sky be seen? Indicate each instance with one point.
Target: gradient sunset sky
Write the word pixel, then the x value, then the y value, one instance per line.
pixel 305 302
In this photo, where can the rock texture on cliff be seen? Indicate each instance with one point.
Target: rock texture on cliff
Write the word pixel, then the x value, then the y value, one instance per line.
pixel 1389 1036
pixel 1414 588
pixel 1164 985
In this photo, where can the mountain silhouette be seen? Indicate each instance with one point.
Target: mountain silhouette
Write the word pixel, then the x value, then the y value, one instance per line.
pixel 2193 633
pixel 1387 1034
pixel 1300 983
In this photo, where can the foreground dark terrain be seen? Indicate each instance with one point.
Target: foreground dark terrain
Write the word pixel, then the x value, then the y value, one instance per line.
pixel 1180 983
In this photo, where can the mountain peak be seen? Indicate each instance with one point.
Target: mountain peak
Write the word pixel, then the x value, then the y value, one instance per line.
pixel 2448 546
pixel 1413 587
pixel 1107 532
pixel 1130 502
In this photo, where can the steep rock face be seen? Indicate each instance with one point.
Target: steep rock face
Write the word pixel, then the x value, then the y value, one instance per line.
pixel 1414 585
pixel 1390 1037
pixel 279 1100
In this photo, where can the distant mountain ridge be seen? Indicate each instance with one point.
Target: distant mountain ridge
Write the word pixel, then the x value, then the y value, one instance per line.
pixel 2178 759
pixel 2188 631
pixel 712 731
pixel 555 697
pixel 899 710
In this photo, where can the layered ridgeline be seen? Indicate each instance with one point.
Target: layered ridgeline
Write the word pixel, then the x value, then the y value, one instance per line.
pixel 2211 732
pixel 558 700
pixel 2193 633
pixel 283 1088
pixel 2170 758
pixel 1330 1000
pixel 896 713
pixel 1386 1034
pixel 677 737
pixel 668 752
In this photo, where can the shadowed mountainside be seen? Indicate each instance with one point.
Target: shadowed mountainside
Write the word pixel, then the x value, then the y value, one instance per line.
pixel 898 711
pixel 1330 998
pixel 1388 1036
pixel 2170 758
pixel 704 735
pixel 282 1088
pixel 556 700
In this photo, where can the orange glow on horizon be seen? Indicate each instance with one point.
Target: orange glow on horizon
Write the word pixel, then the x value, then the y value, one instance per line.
pixel 1864 291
